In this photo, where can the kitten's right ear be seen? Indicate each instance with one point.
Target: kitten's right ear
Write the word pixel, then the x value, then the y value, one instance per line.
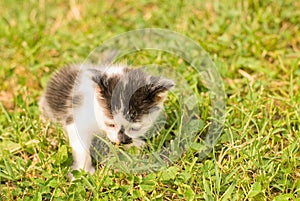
pixel 101 80
pixel 105 83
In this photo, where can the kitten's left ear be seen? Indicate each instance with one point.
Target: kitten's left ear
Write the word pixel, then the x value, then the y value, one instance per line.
pixel 161 88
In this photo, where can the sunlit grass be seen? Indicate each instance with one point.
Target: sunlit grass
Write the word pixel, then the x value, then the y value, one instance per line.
pixel 255 45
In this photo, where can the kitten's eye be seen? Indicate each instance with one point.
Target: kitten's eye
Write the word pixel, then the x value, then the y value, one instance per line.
pixel 133 115
pixel 135 129
pixel 111 125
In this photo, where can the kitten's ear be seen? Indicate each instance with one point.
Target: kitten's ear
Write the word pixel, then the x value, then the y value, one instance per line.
pixel 161 88
pixel 101 80
pixel 105 83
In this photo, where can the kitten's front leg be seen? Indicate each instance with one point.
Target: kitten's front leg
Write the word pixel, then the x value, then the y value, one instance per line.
pixel 80 142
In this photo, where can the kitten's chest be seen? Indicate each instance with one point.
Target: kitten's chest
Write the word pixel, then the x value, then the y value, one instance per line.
pixel 89 115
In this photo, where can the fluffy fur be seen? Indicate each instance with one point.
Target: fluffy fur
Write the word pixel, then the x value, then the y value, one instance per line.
pixel 116 101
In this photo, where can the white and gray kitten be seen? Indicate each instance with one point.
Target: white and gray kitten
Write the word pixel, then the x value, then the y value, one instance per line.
pixel 119 102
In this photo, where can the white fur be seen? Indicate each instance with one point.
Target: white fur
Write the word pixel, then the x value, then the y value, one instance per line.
pixel 89 120
pixel 81 154
pixel 114 70
pixel 85 125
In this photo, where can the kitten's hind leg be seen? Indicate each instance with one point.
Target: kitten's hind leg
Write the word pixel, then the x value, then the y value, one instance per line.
pixel 80 149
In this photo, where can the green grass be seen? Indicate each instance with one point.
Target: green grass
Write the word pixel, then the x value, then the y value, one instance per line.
pixel 256 46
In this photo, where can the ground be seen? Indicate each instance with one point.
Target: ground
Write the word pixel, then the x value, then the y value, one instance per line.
pixel 256 48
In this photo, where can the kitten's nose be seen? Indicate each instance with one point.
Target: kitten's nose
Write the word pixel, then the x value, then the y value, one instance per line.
pixel 123 138
pixel 122 130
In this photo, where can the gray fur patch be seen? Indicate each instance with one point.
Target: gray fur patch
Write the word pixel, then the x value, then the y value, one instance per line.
pixel 57 100
pixel 69 120
pixel 77 100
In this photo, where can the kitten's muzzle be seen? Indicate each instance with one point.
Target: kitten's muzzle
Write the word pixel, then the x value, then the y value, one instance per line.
pixel 123 138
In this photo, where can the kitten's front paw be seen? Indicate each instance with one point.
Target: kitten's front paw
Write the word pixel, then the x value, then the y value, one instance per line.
pixel 71 176
pixel 89 169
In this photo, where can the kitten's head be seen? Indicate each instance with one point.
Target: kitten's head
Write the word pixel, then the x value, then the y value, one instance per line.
pixel 132 102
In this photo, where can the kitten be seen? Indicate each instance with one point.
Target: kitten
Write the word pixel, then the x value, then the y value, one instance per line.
pixel 119 102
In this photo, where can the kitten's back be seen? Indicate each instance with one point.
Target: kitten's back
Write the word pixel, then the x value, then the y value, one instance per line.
pixel 56 102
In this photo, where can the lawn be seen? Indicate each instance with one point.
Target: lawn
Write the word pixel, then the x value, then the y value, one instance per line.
pixel 256 48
